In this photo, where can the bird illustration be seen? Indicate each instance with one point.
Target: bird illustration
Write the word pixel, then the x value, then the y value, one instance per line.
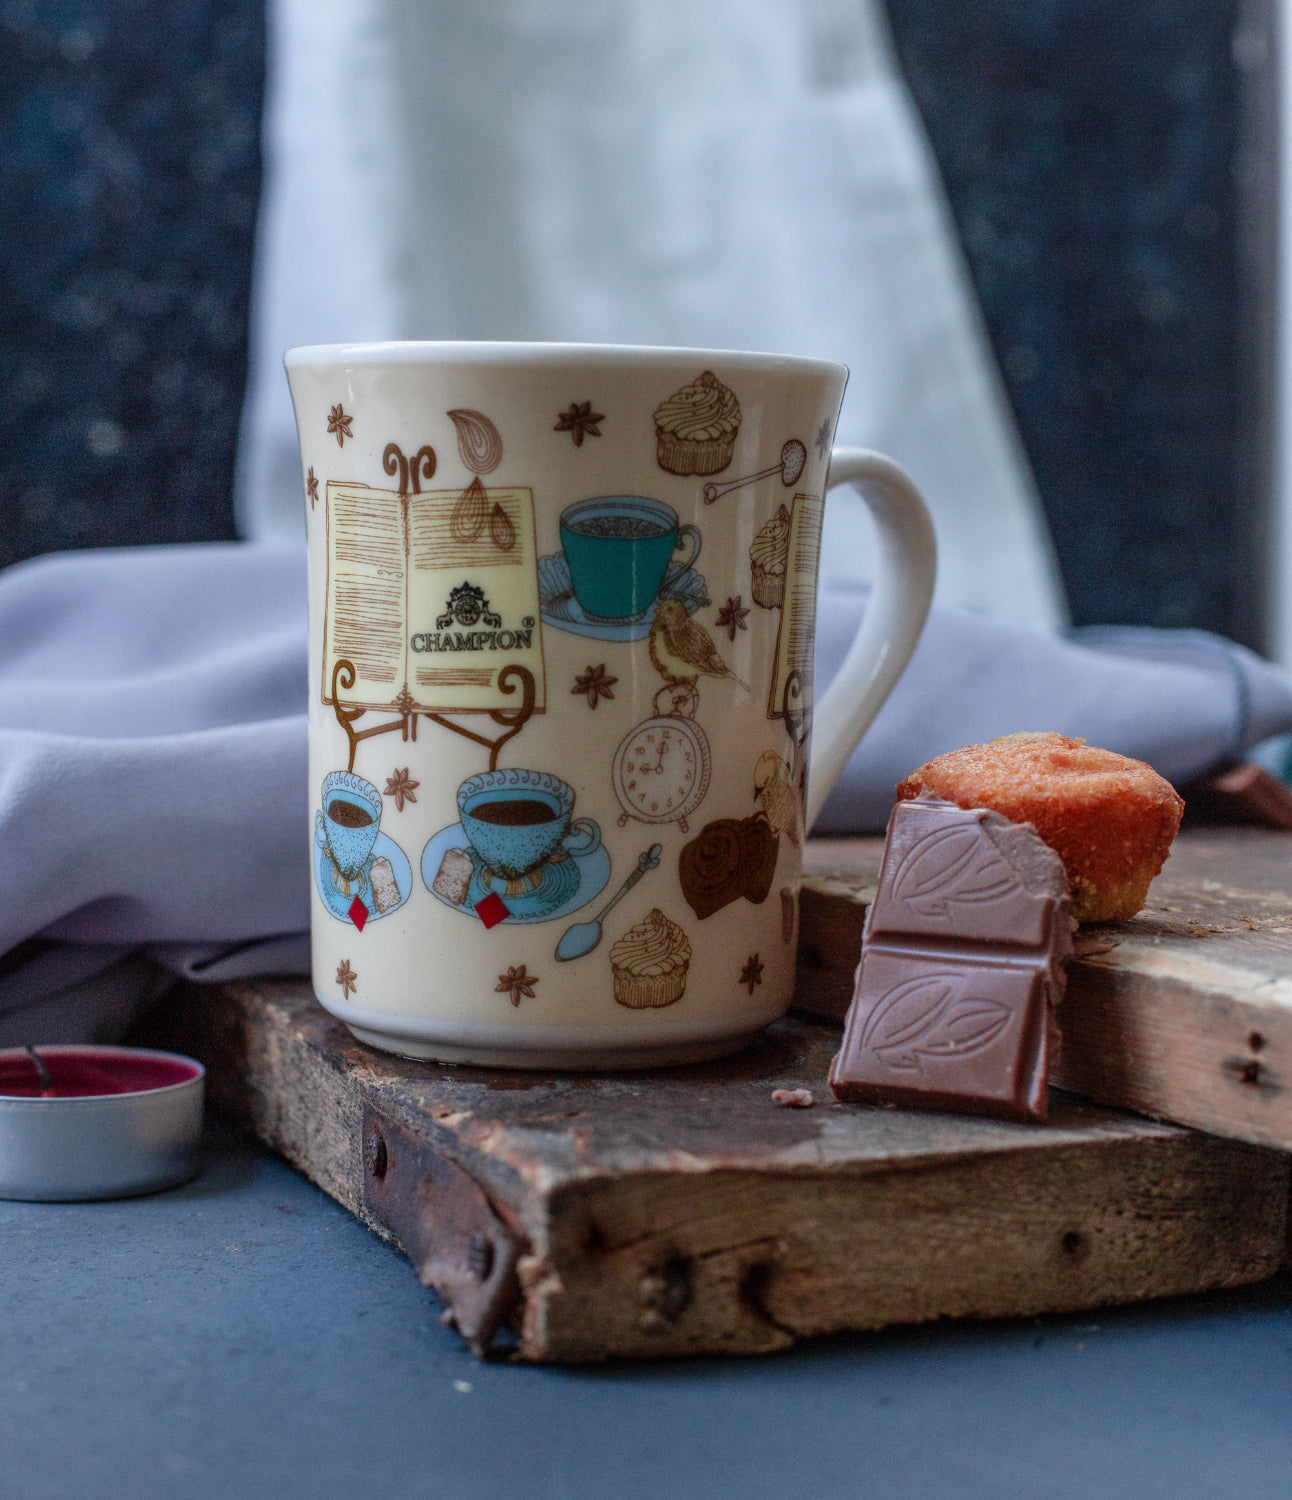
pixel 774 789
pixel 682 650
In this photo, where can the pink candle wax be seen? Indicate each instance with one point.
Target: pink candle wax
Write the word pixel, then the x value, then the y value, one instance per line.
pixel 69 1072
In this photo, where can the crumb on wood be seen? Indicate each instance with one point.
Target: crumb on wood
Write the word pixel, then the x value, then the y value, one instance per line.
pixel 793 1098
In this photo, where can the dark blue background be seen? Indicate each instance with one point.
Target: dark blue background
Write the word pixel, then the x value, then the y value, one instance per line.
pixel 1089 150
pixel 129 178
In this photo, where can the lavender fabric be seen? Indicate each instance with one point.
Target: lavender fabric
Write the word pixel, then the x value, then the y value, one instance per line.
pixel 153 797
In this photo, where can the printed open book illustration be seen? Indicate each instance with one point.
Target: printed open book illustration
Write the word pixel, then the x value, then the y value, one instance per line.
pixel 431 596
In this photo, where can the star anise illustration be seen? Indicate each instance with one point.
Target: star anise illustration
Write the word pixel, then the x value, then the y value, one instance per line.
pixel 580 422
pixel 346 978
pixel 339 425
pixel 752 973
pixel 401 787
pixel 731 616
pixel 596 683
pixel 312 487
pixel 516 982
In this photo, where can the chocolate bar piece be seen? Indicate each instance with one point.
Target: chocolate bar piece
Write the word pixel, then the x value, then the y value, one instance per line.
pixel 962 964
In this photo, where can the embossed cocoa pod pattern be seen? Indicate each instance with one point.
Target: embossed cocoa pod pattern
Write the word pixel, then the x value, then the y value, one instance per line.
pixel 479 444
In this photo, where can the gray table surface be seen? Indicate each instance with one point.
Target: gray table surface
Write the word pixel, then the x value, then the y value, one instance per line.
pixel 244 1336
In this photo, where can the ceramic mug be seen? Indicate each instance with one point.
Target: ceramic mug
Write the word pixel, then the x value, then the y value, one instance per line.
pixel 490 669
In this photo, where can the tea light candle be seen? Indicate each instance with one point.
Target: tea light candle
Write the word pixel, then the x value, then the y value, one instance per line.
pixel 81 1121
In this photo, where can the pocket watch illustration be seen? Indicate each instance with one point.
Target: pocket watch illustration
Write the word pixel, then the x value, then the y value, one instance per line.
pixel 661 768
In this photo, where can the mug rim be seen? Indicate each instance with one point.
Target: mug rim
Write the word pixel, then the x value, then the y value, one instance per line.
pixel 504 352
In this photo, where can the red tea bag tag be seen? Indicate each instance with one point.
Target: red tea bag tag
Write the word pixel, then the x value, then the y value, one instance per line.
pixel 491 910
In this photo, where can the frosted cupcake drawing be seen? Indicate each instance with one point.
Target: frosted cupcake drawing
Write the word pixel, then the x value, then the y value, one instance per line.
pixel 649 963
pixel 767 559
pixel 695 429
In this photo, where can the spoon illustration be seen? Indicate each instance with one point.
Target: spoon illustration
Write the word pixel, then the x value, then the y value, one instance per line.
pixel 793 458
pixel 583 937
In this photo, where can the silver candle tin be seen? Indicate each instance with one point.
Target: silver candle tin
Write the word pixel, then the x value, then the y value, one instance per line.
pixel 102 1145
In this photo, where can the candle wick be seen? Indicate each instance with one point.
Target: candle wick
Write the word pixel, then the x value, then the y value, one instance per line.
pixel 42 1072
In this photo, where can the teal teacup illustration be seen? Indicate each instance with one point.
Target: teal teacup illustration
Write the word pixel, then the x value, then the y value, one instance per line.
pixel 348 824
pixel 514 820
pixel 619 548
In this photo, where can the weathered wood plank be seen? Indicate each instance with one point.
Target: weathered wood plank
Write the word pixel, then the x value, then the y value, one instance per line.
pixel 682 1212
pixel 1185 1012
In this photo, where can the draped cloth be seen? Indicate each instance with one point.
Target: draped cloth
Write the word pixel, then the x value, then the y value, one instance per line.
pixel 153 789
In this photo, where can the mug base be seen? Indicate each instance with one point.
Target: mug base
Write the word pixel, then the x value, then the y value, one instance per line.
pixel 557 1059
pixel 575 1049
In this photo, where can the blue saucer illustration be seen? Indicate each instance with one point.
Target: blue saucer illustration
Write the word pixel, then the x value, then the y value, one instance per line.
pixel 384 890
pixel 563 885
pixel 559 606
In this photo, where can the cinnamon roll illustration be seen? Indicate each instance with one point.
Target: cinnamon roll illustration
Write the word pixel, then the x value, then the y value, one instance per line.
pixel 729 858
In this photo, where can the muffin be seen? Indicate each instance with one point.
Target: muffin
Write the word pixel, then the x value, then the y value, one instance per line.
pixel 695 429
pixel 1110 819
pixel 767 558
pixel 649 963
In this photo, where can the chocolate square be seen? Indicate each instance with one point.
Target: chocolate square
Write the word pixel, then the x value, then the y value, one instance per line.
pixel 962 965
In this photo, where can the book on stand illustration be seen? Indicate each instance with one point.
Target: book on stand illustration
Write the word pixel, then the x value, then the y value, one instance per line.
pixel 431 596
pixel 794 639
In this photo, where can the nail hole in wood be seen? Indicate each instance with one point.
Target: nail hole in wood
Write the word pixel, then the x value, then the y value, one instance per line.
pixel 377 1158
pixel 1075 1245
pixel 666 1292
pixel 753 1287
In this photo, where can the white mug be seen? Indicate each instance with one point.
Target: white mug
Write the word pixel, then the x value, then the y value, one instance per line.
pixel 562 601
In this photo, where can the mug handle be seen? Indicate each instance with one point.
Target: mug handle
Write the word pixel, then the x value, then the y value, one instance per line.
pixel 591 833
pixel 675 568
pixel 899 602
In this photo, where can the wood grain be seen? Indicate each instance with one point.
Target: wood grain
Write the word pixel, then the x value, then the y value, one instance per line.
pixel 1184 1012
pixel 682 1212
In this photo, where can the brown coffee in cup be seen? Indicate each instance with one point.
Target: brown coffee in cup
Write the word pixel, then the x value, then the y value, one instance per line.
pixel 517 812
pixel 348 814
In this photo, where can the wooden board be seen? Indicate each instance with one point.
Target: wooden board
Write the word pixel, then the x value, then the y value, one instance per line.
pixel 682 1212
pixel 1184 1012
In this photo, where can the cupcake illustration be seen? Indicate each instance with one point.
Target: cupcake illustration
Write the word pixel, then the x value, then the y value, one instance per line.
pixel 767 559
pixel 649 963
pixel 695 429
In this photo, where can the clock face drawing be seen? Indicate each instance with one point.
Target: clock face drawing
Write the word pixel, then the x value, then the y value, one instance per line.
pixel 661 770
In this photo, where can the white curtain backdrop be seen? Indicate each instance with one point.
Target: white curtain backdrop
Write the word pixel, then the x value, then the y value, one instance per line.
pixel 729 173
